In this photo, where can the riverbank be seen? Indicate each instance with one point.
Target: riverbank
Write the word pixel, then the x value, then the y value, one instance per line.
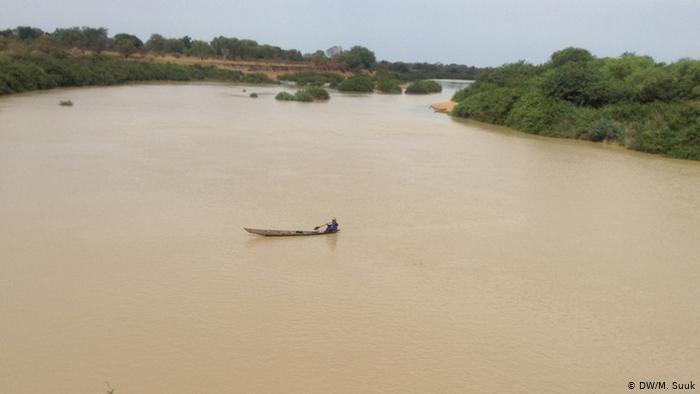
pixel 40 72
pixel 630 100
pixel 272 68
pixel 444 107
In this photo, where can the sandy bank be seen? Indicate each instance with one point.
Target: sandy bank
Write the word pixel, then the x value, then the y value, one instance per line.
pixel 445 107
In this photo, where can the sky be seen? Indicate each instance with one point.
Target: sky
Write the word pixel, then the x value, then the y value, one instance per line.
pixel 473 32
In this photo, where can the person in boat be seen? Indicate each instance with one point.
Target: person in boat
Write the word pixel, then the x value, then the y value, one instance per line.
pixel 332 227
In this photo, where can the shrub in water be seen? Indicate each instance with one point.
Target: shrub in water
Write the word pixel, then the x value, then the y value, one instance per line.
pixel 424 87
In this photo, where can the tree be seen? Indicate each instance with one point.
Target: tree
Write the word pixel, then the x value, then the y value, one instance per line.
pixel 319 57
pixel 127 44
pixel 187 42
pixel 654 84
pixel 200 49
pixel 95 38
pixel 28 33
pixel 357 83
pixel 571 54
pixel 86 38
pixel 358 57
pixel 156 43
pixel 294 55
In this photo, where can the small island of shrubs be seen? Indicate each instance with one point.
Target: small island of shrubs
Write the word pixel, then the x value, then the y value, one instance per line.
pixel 423 87
pixel 306 95
pixel 357 83
pixel 388 85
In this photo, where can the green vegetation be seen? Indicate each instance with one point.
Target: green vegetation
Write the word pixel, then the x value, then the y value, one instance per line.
pixel 49 71
pixel 127 44
pixel 417 71
pixel 313 78
pixel 387 84
pixel 357 83
pixel 88 38
pixel 256 78
pixel 317 93
pixel 423 87
pixel 25 51
pixel 284 96
pixel 357 58
pixel 234 48
pixel 632 100
pixel 309 94
pixel 32 59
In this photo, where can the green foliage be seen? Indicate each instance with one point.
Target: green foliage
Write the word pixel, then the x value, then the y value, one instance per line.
pixel 319 58
pixel 127 44
pixel 388 85
pixel 309 94
pixel 27 32
pixel 358 58
pixel 491 106
pixel 584 84
pixel 303 96
pixel 357 83
pixel 570 55
pixel 47 71
pixel 654 84
pixel 417 71
pixel 88 38
pixel 317 93
pixel 234 48
pixel 156 43
pixel 200 49
pixel 423 87
pixel 284 96
pixel 630 99
pixel 257 78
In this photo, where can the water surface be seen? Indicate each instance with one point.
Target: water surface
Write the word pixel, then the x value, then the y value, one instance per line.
pixel 471 258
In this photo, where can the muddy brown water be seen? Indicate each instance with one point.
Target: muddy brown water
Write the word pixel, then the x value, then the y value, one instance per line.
pixel 471 258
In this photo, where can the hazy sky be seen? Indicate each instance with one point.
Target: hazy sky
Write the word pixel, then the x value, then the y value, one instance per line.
pixel 482 33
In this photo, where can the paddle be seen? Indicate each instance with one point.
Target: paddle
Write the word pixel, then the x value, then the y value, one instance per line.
pixel 317 227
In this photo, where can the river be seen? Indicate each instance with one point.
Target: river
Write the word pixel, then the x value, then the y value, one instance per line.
pixel 471 258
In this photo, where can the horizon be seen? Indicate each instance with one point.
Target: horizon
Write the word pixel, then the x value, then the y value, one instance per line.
pixel 507 31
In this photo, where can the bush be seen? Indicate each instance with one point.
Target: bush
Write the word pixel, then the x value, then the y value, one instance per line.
pixel 535 113
pixel 304 95
pixel 47 71
pixel 491 106
pixel 387 85
pixel 357 83
pixel 646 106
pixel 284 96
pixel 424 87
pixel 317 93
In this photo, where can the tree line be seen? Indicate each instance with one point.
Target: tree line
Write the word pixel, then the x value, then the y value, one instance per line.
pixel 632 100
pixel 97 40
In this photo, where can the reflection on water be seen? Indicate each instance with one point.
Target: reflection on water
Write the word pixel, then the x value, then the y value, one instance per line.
pixel 471 258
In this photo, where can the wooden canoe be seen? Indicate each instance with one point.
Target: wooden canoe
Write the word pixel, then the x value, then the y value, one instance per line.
pixel 282 233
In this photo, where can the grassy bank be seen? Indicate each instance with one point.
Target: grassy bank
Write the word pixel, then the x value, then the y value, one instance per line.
pixel 631 100
pixel 48 71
